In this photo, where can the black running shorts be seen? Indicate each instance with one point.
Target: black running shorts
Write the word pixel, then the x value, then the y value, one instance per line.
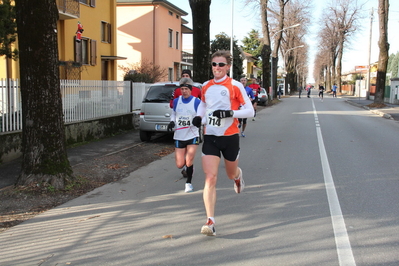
pixel 183 143
pixel 229 146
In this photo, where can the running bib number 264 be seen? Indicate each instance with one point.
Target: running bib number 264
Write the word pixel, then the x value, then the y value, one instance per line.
pixel 184 121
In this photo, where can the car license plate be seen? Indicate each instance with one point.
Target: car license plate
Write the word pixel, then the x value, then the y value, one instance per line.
pixel 161 127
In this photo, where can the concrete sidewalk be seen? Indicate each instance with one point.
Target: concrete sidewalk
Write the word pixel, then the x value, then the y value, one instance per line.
pixel 391 111
pixel 9 171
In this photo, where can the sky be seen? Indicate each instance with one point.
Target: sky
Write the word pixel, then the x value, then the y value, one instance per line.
pixel 246 17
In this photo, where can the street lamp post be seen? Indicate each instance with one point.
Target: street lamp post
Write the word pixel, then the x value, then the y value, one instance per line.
pixel 272 60
pixel 231 39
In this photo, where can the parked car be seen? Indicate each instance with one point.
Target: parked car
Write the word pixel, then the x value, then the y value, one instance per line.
pixel 155 111
pixel 262 97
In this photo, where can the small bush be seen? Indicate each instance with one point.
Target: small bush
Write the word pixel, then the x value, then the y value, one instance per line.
pixel 144 71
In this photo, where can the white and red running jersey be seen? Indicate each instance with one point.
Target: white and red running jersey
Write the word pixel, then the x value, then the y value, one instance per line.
pixel 223 95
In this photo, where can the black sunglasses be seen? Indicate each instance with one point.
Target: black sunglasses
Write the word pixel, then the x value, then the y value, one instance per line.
pixel 221 64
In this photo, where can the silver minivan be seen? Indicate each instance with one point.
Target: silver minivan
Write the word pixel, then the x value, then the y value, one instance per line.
pixel 155 109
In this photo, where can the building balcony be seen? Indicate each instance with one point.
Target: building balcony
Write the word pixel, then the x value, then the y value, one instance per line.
pixel 187 58
pixel 68 9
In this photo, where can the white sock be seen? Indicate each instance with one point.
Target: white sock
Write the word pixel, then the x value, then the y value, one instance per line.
pixel 213 219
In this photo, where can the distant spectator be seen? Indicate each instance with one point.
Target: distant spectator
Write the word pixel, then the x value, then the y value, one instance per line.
pixel 334 90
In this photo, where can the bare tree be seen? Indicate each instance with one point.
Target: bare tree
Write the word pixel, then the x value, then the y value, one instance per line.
pixel 143 71
pixel 321 65
pixel 278 13
pixel 273 22
pixel 328 47
pixel 383 8
pixel 44 159
pixel 344 19
pixel 266 45
pixel 296 12
pixel 201 43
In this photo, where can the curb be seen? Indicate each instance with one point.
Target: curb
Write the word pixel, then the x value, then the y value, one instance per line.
pixel 374 111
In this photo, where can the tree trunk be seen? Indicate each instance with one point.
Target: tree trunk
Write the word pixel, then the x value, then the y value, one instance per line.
pixel 290 78
pixel 277 42
pixel 201 43
pixel 339 64
pixel 266 48
pixel 279 29
pixel 383 6
pixel 44 157
pixel 265 55
pixel 328 78
pixel 333 70
pixel 274 78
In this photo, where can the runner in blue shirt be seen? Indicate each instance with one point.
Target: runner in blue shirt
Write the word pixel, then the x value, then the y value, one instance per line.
pixel 243 121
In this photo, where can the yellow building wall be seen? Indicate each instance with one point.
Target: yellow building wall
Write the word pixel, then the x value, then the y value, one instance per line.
pixel 143 35
pixel 9 65
pixel 250 66
pixel 90 18
pixel 12 68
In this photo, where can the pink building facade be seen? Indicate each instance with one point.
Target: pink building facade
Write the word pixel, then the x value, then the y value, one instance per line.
pixel 151 31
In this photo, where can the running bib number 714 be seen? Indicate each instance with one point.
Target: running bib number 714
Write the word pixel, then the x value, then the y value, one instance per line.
pixel 214 121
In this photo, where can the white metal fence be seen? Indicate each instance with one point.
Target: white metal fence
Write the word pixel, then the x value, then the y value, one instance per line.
pixel 10 106
pixel 81 100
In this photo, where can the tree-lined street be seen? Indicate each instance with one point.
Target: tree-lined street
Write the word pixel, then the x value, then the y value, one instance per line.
pixel 321 189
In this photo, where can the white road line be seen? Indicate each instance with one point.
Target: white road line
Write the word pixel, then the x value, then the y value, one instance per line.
pixel 344 249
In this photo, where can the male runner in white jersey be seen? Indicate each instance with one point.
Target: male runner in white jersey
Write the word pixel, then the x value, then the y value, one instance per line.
pixel 186 135
pixel 220 107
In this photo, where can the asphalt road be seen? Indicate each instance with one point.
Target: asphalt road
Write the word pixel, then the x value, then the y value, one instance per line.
pixel 321 189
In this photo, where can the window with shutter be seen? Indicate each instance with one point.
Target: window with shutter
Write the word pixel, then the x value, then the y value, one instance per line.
pixel 91 3
pixel 109 32
pixel 78 50
pixel 93 52
pixel 85 51
pixel 170 38
pixel 105 32
pixel 177 40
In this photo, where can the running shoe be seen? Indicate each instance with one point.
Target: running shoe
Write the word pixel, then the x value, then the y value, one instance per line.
pixel 243 135
pixel 208 228
pixel 253 119
pixel 239 183
pixel 189 188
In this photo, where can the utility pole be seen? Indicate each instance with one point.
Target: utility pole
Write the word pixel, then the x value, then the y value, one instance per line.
pixel 369 56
